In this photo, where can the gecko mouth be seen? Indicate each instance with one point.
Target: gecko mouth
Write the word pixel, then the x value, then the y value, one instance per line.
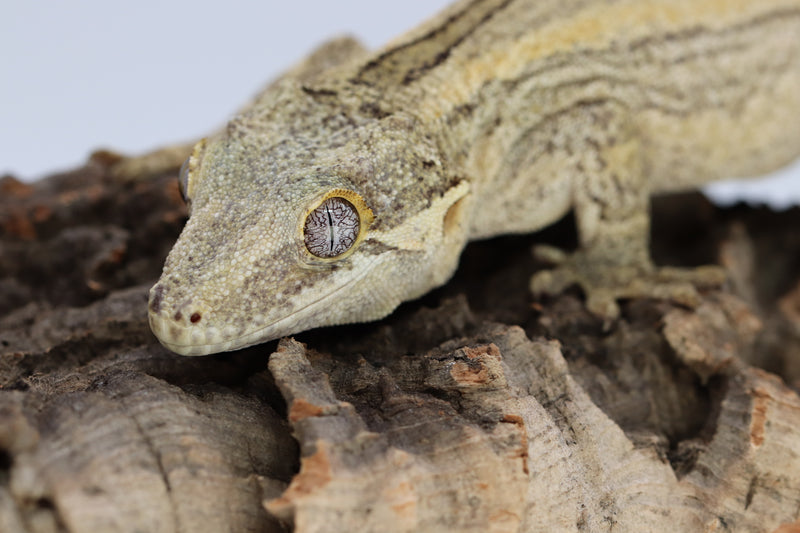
pixel 205 339
pixel 192 340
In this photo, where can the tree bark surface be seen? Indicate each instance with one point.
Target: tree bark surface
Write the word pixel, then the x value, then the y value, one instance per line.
pixel 475 408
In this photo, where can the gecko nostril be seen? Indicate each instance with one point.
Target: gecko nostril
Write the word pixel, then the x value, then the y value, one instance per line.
pixel 195 318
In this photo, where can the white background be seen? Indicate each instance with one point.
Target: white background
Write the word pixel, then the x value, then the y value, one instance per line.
pixel 132 76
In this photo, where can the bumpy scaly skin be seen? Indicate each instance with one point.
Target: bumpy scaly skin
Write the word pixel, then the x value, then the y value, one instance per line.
pixel 494 117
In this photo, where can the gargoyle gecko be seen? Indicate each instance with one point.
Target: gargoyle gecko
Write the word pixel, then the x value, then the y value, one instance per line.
pixel 353 182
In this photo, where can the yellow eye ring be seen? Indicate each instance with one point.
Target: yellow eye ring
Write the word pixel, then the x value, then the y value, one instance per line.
pixel 334 225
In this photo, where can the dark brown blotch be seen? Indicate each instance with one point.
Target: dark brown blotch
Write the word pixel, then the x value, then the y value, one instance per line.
pixel 195 318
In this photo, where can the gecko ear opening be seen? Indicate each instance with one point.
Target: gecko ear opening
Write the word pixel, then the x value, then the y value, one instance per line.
pixel 335 224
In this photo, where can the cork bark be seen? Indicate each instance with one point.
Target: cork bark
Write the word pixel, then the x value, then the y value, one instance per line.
pixel 475 408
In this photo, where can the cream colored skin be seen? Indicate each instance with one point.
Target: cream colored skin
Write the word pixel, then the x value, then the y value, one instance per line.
pixel 494 117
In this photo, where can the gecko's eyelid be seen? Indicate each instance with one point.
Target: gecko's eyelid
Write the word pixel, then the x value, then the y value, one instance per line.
pixel 183 180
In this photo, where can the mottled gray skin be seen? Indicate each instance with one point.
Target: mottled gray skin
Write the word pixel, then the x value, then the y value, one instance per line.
pixel 494 117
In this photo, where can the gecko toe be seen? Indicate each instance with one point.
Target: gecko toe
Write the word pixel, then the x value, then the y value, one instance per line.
pixel 604 284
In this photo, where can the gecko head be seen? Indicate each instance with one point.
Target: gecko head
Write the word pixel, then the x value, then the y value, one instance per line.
pixel 273 248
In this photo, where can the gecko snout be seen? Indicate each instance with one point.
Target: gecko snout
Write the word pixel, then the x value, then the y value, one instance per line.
pixel 184 311
pixel 184 328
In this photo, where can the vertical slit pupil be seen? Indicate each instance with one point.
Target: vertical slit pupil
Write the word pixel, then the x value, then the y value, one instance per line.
pixel 330 222
pixel 332 228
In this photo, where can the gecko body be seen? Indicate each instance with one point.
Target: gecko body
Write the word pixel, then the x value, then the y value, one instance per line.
pixel 354 181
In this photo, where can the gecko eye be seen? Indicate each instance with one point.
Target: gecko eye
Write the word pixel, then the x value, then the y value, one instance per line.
pixel 332 228
pixel 335 224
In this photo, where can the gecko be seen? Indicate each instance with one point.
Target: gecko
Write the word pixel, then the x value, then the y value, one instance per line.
pixel 353 182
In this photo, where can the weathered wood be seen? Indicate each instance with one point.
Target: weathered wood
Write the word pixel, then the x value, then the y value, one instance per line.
pixel 473 409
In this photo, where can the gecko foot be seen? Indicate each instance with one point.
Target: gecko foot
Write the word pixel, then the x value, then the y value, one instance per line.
pixel 605 282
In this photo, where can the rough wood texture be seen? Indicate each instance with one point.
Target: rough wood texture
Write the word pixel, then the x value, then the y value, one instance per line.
pixel 474 409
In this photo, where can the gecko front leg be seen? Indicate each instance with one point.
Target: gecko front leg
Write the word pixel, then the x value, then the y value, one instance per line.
pixel 610 195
